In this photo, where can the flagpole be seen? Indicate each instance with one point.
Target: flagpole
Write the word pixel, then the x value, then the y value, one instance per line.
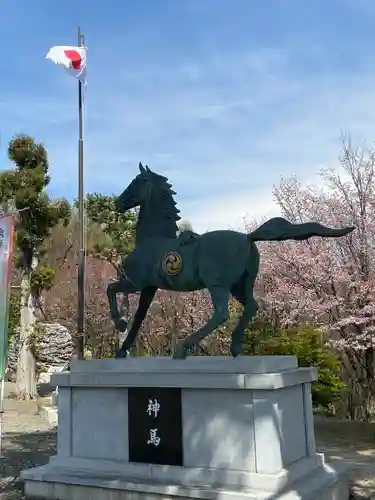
pixel 80 338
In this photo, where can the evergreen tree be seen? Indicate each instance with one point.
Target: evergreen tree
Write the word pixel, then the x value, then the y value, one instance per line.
pixel 113 239
pixel 23 189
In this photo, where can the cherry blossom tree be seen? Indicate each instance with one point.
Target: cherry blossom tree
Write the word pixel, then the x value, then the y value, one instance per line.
pixel 173 316
pixel 329 282
pixel 61 303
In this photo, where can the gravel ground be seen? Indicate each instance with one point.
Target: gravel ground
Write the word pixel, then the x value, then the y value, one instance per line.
pixel 28 442
pixel 353 443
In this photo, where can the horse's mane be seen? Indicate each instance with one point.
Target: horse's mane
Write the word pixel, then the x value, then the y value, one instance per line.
pixel 159 216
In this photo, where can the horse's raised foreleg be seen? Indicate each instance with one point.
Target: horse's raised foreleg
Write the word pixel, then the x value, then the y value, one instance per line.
pixel 219 297
pixel 123 285
pixel 147 295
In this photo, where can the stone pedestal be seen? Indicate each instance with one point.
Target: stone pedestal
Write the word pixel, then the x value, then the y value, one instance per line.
pixel 231 428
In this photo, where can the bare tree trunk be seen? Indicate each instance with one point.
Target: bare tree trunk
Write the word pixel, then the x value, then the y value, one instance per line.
pixel 26 365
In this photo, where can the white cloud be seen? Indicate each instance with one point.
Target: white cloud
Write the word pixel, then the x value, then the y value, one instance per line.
pixel 223 127
pixel 230 211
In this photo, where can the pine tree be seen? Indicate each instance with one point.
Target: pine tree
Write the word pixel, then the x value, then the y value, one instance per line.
pixel 116 236
pixel 114 239
pixel 24 189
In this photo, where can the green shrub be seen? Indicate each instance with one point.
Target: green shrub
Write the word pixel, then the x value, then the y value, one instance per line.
pixel 307 345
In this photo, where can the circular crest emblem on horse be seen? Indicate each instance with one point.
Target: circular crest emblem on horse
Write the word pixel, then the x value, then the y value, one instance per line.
pixel 172 263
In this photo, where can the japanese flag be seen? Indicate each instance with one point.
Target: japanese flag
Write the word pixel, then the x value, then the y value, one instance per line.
pixel 71 58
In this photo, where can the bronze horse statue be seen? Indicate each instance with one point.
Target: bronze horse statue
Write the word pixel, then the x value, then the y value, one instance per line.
pixel 224 262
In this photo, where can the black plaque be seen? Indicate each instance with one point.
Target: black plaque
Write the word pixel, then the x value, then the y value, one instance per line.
pixel 155 425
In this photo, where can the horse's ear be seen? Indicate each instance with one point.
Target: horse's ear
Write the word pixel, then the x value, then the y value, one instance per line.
pixel 142 168
pixel 148 170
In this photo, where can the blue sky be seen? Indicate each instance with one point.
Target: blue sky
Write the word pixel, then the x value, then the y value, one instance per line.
pixel 222 96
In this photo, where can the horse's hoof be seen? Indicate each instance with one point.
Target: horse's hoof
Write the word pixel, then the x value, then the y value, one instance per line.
pixel 236 349
pixel 180 352
pixel 121 325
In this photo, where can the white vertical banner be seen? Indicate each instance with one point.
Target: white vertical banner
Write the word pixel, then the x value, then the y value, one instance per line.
pixel 6 257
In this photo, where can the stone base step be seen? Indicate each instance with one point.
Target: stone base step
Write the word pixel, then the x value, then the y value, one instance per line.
pixel 325 483
pixel 48 413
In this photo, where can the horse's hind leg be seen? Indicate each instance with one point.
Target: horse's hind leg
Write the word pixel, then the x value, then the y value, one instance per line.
pixel 219 297
pixel 250 308
pixel 243 292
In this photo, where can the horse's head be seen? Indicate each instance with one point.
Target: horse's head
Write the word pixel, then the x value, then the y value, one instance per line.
pixel 153 194
pixel 138 191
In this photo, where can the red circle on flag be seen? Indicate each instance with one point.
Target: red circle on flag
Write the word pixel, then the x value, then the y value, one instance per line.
pixel 75 58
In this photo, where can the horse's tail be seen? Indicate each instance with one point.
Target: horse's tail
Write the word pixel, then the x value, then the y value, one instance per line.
pixel 279 229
